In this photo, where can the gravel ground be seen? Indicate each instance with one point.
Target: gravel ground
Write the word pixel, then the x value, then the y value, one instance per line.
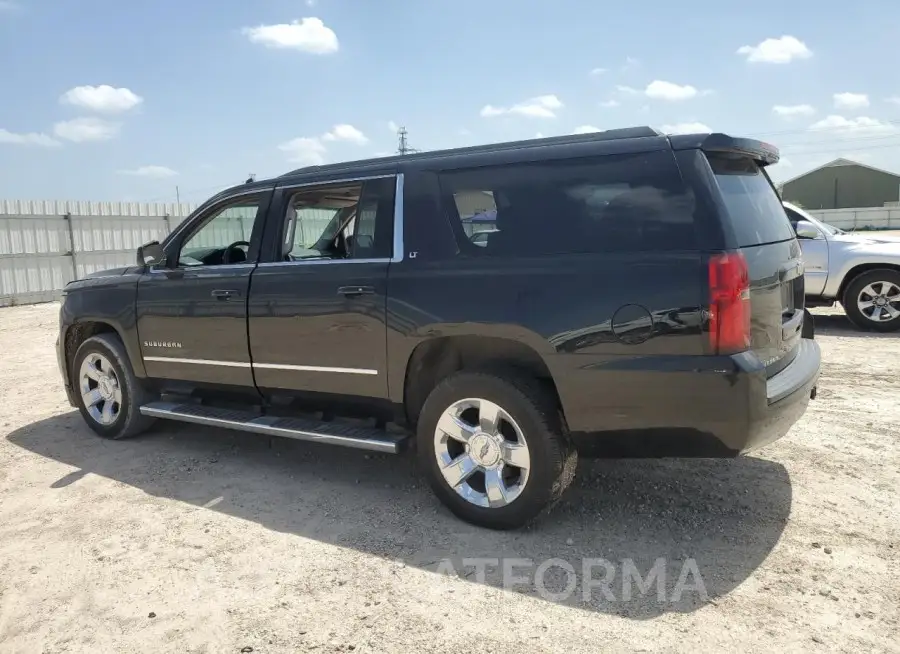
pixel 196 540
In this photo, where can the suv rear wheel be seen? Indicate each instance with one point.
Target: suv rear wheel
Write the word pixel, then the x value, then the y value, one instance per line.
pixel 108 394
pixel 494 448
pixel 872 300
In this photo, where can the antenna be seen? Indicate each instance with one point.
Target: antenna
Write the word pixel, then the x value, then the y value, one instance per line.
pixel 403 143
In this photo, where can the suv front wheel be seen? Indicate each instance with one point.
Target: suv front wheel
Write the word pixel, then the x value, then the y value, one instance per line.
pixel 494 448
pixel 108 394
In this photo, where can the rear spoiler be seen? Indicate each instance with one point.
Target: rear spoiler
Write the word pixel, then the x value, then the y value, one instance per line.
pixel 765 154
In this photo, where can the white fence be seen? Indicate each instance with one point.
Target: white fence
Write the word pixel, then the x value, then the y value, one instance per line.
pixel 45 245
pixel 853 219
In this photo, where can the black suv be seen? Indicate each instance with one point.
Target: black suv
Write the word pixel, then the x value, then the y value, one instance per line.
pixel 636 294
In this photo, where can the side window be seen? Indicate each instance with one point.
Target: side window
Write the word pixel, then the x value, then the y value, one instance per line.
pixel 223 238
pixel 340 221
pixel 602 204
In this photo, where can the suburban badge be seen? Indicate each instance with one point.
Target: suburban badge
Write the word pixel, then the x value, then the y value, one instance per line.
pixel 162 344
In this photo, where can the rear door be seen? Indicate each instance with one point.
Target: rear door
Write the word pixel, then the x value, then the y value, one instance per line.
pixel 760 229
pixel 317 301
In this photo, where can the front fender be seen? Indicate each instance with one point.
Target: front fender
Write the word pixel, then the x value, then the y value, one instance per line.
pixel 108 300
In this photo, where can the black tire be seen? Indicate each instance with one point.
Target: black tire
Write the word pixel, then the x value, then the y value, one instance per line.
pixel 553 458
pixel 853 290
pixel 128 422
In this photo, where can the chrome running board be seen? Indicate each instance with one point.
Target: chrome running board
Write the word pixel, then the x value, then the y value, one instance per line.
pixel 377 440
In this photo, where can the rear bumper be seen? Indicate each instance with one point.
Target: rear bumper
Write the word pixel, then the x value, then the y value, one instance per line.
pixel 692 406
pixel 787 395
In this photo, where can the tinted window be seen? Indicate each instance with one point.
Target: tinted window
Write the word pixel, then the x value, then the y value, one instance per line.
pixel 603 204
pixel 756 213
pixel 223 237
pixel 340 221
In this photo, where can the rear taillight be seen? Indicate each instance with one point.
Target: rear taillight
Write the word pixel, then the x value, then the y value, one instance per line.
pixel 729 303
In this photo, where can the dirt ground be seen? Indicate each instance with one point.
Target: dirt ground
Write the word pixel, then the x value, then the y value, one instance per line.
pixel 197 540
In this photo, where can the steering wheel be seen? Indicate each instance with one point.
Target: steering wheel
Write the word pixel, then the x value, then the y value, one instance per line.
pixel 226 255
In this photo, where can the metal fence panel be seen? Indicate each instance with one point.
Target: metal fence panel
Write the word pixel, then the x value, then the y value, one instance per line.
pixel 115 233
pixel 33 278
pixel 869 218
pixel 33 235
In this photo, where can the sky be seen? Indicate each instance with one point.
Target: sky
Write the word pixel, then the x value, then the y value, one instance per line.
pixel 153 100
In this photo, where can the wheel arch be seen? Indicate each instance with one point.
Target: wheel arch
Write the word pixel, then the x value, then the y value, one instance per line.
pixel 860 269
pixel 80 331
pixel 436 358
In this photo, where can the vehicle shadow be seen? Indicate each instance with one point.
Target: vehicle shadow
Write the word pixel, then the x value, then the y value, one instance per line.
pixel 639 516
pixel 838 324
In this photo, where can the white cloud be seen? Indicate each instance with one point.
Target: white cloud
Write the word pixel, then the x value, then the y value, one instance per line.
pixel 309 151
pixel 894 99
pixel 345 132
pixel 84 129
pixel 627 90
pixel 597 71
pixel 631 62
pixel 155 172
pixel 310 3
pixel 659 90
pixel 394 127
pixel 851 100
pixel 609 104
pixel 28 138
pixel 686 128
pixel 854 126
pixel 789 111
pixel 776 51
pixel 307 35
pixel 543 106
pixel 586 129
pixel 539 135
pixel 103 98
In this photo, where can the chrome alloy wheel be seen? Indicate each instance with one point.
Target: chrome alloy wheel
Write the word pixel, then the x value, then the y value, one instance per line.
pixel 879 301
pixel 482 453
pixel 100 390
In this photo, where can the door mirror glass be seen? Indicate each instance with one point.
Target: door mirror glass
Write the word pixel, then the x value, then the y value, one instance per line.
pixel 807 230
pixel 150 254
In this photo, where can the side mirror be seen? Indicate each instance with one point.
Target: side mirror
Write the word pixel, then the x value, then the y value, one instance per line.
pixel 150 254
pixel 807 230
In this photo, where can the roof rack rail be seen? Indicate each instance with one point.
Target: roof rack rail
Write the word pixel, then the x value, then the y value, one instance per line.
pixel 608 135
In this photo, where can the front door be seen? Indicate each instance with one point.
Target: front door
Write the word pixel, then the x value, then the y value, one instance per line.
pixel 192 309
pixel 317 307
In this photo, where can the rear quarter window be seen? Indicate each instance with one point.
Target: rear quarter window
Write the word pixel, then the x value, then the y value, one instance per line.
pixel 613 203
pixel 754 208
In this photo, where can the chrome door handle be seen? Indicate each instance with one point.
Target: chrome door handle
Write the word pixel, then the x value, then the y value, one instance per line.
pixel 225 294
pixel 352 291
